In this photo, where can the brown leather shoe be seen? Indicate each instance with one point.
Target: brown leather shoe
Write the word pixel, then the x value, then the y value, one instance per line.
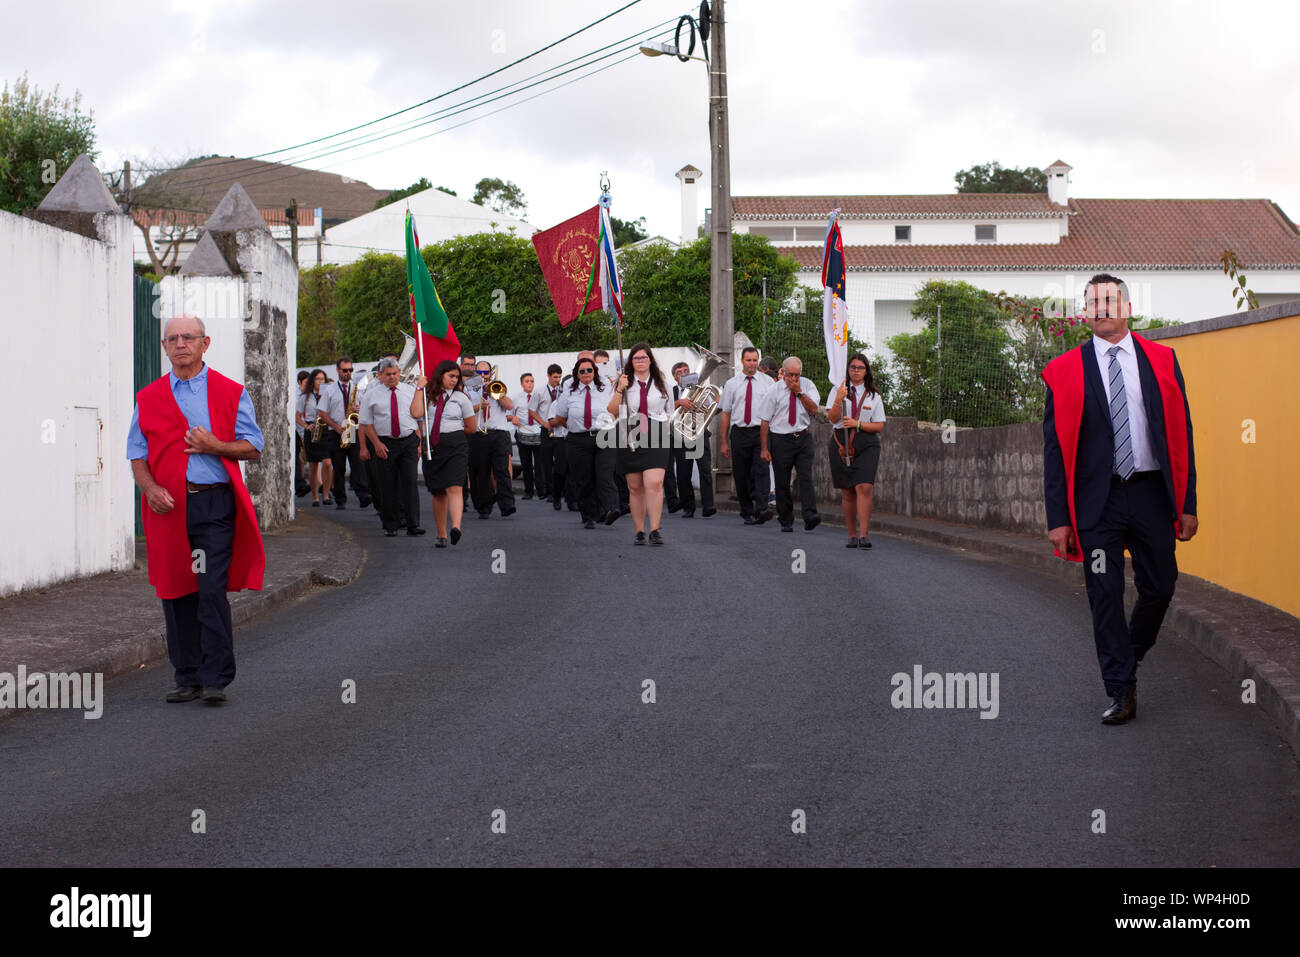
pixel 1123 707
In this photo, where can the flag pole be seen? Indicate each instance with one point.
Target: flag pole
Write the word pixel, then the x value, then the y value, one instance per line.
pixel 419 344
pixel 607 291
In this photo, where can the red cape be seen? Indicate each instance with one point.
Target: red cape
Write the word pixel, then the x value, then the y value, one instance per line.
pixel 1064 376
pixel 167 542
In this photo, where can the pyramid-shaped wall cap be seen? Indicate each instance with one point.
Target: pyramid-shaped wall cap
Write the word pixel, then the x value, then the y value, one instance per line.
pixel 205 259
pixel 80 190
pixel 235 211
pixel 687 170
pixel 1060 164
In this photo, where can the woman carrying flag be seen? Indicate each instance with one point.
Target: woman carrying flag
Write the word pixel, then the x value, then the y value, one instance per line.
pixel 444 469
pixel 857 417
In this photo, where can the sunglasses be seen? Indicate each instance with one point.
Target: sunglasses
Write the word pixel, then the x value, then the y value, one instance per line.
pixel 585 369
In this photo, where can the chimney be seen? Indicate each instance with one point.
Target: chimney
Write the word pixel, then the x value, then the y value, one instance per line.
pixel 688 175
pixel 1058 183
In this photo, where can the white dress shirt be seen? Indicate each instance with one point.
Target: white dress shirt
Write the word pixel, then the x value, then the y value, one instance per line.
pixel 870 408
pixel 331 402
pixel 457 409
pixel 733 398
pixel 571 407
pixel 496 415
pixel 777 414
pixel 1144 459
pixel 523 402
pixel 376 405
pixel 659 406
pixel 542 403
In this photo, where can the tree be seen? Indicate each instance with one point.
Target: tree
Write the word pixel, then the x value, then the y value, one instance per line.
pixel 501 195
pixel 444 189
pixel 318 335
pixel 419 186
pixel 992 178
pixel 160 209
pixel 628 231
pixel 40 136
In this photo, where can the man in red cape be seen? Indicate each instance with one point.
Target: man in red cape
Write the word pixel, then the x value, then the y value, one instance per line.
pixel 1119 471
pixel 188 432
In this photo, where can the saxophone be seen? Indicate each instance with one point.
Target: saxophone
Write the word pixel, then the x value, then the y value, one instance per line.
pixel 352 420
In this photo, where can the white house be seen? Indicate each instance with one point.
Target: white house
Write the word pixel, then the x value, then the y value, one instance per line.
pixel 1033 244
pixel 438 216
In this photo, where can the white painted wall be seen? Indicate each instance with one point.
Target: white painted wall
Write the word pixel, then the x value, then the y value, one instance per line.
pixel 66 331
pixel 880 232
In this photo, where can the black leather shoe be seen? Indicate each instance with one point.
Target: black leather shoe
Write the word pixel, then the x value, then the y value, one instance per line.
pixel 589 524
pixel 455 535
pixel 1123 707
pixel 749 520
pixel 417 530
pixel 179 694
pixel 851 543
pixel 787 528
pixel 556 506
pixel 315 504
pixel 640 539
pixel 710 511
pixel 688 514
pixel 508 511
pixel 390 533
pixel 613 516
pixel 674 505
pixel 527 496
pixel 656 538
pixel 625 510
pixel 574 508
pixel 812 523
pixel 213 695
pixel 764 516
pixel 365 502
pixel 339 507
pixel 440 543
pixel 485 515
pixel 864 543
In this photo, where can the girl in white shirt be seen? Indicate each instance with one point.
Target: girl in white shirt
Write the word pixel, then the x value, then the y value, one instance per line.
pixel 857 418
pixel 451 421
pixel 645 423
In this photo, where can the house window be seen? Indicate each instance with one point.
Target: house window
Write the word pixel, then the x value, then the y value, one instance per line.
pixel 777 234
pixel 986 234
pixel 902 234
pixel 810 234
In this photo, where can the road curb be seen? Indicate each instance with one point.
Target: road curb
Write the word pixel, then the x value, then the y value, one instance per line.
pixel 132 652
pixel 1218 638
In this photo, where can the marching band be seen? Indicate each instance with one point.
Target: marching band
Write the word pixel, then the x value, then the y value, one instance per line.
pixel 583 437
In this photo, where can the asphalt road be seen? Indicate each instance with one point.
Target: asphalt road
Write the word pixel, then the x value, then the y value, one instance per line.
pixel 522 693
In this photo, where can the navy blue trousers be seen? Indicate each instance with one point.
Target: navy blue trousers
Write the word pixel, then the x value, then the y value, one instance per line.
pixel 200 638
pixel 1137 515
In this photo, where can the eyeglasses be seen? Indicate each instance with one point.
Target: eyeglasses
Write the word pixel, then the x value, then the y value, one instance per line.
pixel 345 369
pixel 186 337
pixel 585 369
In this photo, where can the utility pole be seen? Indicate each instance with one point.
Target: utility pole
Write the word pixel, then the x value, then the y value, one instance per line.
pixel 764 346
pixel 722 320
pixel 291 214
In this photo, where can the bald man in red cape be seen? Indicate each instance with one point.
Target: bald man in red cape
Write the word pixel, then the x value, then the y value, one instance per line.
pixel 1119 471
pixel 188 432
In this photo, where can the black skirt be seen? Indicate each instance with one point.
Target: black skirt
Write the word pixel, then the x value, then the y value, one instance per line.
pixel 316 451
pixel 446 469
pixel 866 457
pixel 654 449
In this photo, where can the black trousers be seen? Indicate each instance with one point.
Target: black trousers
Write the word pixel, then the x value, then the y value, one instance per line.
pixel 374 477
pixel 529 455
pixel 1137 514
pixel 342 458
pixel 792 452
pixel 591 474
pixel 749 471
pixel 200 637
pixel 489 457
pixel 562 484
pixel 683 464
pixel 399 473
pixel 300 486
pixel 546 464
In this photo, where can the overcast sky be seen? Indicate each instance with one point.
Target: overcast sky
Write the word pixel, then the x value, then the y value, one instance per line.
pixel 1144 98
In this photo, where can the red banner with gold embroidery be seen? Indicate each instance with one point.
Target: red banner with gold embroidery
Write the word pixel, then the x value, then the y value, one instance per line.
pixel 567 253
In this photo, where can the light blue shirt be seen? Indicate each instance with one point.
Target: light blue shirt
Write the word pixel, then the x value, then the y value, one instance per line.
pixel 192 397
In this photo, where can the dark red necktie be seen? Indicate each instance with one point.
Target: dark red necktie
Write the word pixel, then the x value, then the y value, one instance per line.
pixel 437 419
pixel 392 414
pixel 644 410
pixel 749 396
pixel 792 408
pixel 552 395
pixel 587 413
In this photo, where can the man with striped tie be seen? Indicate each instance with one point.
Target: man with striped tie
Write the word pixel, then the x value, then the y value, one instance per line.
pixel 1119 471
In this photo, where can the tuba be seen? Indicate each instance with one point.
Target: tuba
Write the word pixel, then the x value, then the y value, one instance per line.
pixel 691 423
pixel 408 363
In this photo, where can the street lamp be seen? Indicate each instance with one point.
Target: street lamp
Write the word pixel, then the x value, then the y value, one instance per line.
pixel 722 323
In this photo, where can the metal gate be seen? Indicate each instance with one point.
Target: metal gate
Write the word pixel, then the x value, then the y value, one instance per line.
pixel 148 348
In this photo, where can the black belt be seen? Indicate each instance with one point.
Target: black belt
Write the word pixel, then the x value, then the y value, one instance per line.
pixel 1134 477
pixel 745 426
pixel 202 487
pixel 789 435
pixel 396 438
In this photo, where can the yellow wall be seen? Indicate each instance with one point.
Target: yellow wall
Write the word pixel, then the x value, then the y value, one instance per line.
pixel 1248 539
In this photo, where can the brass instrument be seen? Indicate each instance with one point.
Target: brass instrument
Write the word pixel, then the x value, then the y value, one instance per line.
pixel 408 363
pixel 495 387
pixel 353 418
pixel 691 423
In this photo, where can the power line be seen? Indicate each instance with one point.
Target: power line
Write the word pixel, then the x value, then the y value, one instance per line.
pixel 431 99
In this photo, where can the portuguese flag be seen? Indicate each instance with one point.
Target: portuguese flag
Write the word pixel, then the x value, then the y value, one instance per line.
pixel 433 331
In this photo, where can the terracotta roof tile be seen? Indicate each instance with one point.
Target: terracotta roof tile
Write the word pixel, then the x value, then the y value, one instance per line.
pixel 1114 233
